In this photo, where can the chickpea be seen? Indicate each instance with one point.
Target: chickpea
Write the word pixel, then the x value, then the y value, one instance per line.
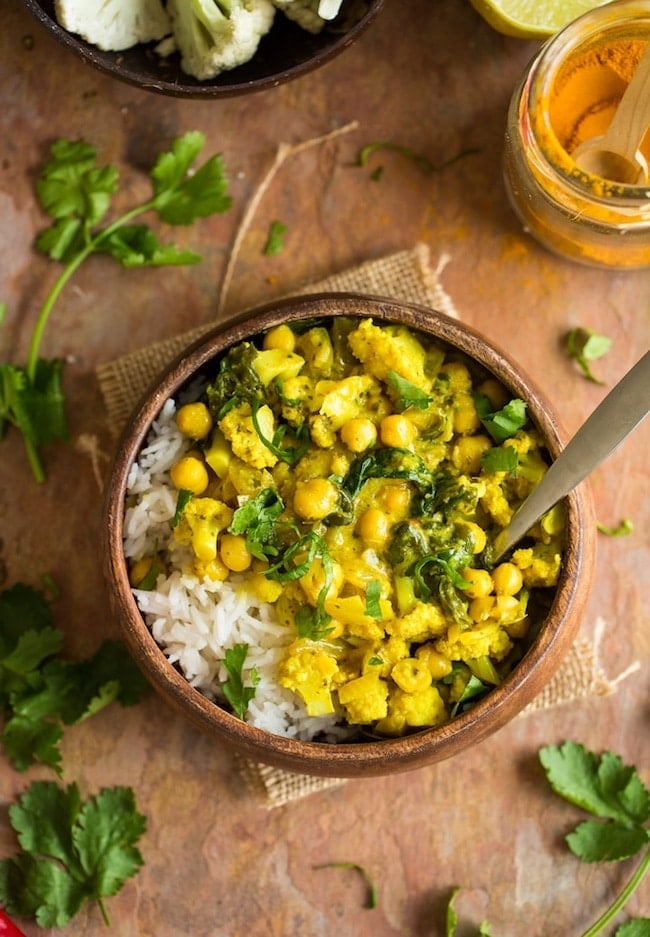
pixel 507 609
pixel 411 675
pixel 397 430
pixel 395 498
pixel 466 419
pixel 359 434
pixel 234 552
pixel 476 535
pixel 507 579
pixel 480 582
pixel 495 392
pixel 482 608
pixel 439 665
pixel 194 420
pixel 190 474
pixel 280 337
pixel 467 452
pixel 315 498
pixel 374 528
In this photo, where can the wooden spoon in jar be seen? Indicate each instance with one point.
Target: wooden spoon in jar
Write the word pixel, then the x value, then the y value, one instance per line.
pixel 616 155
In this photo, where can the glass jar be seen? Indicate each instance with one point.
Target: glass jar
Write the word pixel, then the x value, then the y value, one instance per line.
pixel 568 94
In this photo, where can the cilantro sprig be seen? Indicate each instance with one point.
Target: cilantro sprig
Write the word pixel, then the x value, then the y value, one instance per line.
pixel 72 851
pixel 615 795
pixel 40 692
pixel 76 193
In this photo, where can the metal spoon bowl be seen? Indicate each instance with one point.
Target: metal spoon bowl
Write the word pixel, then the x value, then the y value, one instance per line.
pixel 621 411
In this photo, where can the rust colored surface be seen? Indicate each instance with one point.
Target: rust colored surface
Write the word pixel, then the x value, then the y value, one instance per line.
pixel 434 77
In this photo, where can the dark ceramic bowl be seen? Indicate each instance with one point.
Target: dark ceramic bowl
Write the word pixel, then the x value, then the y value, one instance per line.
pixel 373 757
pixel 287 52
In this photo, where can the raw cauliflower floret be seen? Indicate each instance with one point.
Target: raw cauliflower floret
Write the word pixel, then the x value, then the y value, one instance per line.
pixel 390 348
pixel 211 42
pixel 310 14
pixel 113 25
pixel 237 426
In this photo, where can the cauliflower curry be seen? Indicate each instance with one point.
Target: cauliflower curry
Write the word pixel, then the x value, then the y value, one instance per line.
pixel 355 474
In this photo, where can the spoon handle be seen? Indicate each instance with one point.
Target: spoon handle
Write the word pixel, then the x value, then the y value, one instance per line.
pixel 632 116
pixel 624 407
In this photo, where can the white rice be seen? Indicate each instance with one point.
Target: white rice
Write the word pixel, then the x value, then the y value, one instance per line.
pixel 195 621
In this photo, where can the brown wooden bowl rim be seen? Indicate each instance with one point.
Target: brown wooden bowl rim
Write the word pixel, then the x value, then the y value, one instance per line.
pixel 359 758
pixel 118 64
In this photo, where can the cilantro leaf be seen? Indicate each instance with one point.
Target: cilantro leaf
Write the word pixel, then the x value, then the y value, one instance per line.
pixel 72 851
pixel 585 345
pixel 504 423
pixel 137 246
pixel 182 196
pixel 502 459
pixel 275 239
pixel 238 695
pixel 373 595
pixel 408 394
pixel 70 184
pixel 40 692
pixel 594 841
pixel 257 518
pixel 604 787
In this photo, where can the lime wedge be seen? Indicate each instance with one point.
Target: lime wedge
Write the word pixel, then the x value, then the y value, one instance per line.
pixel 532 19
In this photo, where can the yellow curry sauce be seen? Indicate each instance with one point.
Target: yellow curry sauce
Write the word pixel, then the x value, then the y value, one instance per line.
pixel 354 474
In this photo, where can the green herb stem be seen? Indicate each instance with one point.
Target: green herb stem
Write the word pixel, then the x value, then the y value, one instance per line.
pixel 104 912
pixel 621 900
pixel 92 245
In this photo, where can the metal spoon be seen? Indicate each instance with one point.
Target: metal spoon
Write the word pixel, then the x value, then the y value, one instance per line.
pixel 616 155
pixel 624 407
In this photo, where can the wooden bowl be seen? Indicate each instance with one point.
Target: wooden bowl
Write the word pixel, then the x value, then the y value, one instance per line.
pixel 374 757
pixel 287 52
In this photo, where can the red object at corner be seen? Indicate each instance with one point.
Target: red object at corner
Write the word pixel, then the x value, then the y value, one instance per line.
pixel 7 927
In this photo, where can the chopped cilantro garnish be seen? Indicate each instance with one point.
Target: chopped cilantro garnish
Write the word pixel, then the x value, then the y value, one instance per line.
pixel 584 346
pixel 408 394
pixel 373 595
pixel 238 695
pixel 504 423
pixel 275 239
pixel 503 459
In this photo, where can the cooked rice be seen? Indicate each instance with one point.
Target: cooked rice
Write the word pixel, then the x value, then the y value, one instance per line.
pixel 195 621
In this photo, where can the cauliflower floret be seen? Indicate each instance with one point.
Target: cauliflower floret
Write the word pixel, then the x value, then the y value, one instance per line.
pixel 308 670
pixel 412 710
pixel 113 25
pixel 341 401
pixel 484 640
pixel 540 565
pixel 424 621
pixel 364 699
pixel 238 428
pixel 310 14
pixel 386 348
pixel 214 36
pixel 202 521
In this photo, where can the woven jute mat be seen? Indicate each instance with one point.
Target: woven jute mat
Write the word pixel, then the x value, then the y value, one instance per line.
pixel 407 276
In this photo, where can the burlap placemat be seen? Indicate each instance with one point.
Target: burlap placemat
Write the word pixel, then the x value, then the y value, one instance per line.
pixel 407 276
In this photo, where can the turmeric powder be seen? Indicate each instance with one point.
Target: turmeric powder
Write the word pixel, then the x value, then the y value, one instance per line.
pixel 588 87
